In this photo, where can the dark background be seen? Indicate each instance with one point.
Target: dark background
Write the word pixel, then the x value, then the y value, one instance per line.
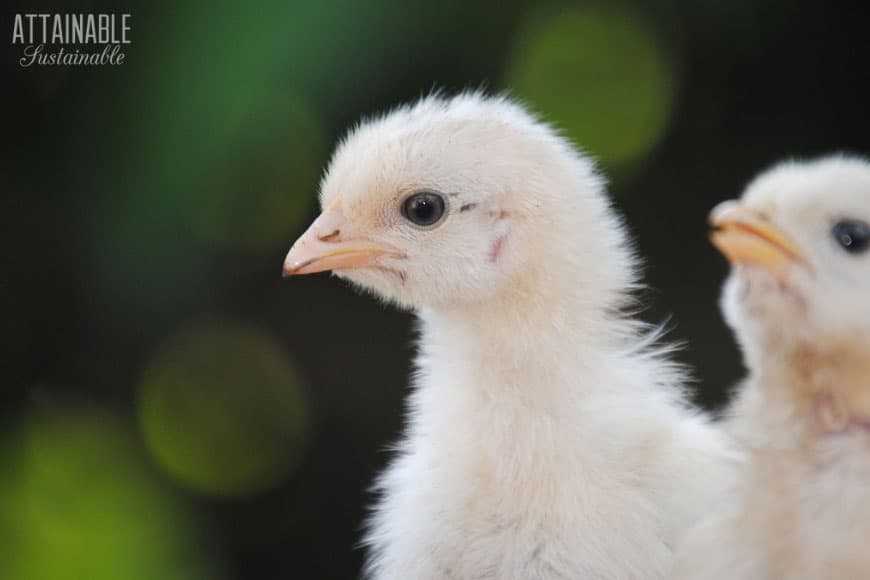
pixel 169 407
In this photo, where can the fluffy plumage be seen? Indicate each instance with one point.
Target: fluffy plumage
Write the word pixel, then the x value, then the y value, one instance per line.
pixel 546 438
pixel 798 300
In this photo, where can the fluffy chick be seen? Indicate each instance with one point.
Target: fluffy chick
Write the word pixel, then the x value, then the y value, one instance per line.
pixel 546 439
pixel 798 299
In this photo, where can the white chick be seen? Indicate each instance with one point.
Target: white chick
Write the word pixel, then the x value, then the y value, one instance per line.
pixel 798 299
pixel 546 438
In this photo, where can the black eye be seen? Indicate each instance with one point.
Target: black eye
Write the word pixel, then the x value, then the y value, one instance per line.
pixel 853 236
pixel 424 208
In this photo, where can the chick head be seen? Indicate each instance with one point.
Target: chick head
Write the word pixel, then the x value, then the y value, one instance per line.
pixel 799 243
pixel 458 201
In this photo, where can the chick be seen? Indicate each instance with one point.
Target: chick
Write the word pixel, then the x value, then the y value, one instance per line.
pixel 547 438
pixel 798 300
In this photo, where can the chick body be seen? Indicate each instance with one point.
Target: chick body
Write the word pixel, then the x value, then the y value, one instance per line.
pixel 799 505
pixel 547 436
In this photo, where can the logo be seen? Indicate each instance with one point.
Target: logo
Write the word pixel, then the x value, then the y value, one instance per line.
pixel 71 39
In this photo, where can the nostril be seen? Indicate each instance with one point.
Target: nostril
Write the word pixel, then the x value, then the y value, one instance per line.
pixel 330 236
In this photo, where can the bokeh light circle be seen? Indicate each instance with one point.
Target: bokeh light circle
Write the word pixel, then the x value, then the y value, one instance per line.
pixel 78 500
pixel 222 410
pixel 599 76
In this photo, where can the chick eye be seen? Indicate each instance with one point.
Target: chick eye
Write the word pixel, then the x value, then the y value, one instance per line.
pixel 424 208
pixel 853 236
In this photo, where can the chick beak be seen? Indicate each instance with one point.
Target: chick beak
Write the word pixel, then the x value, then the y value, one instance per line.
pixel 323 247
pixel 746 237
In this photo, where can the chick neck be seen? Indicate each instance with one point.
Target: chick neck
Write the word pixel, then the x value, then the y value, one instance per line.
pixel 548 327
pixel 824 388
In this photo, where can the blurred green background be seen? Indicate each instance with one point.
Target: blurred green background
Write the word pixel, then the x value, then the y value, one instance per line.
pixel 170 407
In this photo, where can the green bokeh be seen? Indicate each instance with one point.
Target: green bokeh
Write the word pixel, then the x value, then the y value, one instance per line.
pixel 264 177
pixel 210 145
pixel 222 410
pixel 77 502
pixel 599 76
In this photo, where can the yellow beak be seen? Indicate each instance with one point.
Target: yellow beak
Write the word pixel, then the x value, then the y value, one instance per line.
pixel 323 247
pixel 746 237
